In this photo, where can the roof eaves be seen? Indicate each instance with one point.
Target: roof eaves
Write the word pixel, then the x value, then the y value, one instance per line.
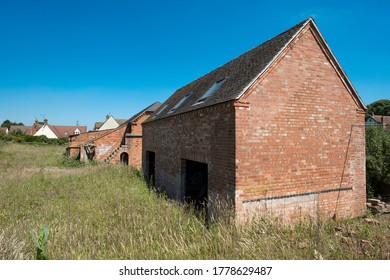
pixel 150 108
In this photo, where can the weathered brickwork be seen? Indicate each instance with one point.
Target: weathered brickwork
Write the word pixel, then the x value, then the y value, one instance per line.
pixel 77 141
pixel 292 145
pixel 109 142
pixel 300 142
pixel 206 136
pixel 133 142
pixel 112 145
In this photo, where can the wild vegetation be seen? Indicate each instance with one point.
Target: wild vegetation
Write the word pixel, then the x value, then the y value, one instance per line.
pixel 42 139
pixel 8 123
pixel 378 152
pixel 379 107
pixel 108 212
pixel 378 162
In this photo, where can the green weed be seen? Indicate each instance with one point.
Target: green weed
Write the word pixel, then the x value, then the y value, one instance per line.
pixel 108 212
pixel 40 242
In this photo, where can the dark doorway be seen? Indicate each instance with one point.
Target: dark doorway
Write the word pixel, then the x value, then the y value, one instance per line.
pixel 125 158
pixel 196 183
pixel 150 167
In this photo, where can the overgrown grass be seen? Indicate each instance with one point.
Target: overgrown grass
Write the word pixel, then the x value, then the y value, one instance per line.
pixel 108 212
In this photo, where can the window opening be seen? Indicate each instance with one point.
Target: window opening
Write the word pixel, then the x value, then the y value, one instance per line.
pixel 210 91
pixel 180 102
pixel 163 108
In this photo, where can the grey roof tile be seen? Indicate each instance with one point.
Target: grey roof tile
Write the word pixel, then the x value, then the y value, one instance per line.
pixel 238 74
pixel 152 108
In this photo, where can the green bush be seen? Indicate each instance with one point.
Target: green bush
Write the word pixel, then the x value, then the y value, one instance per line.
pixel 377 161
pixel 70 162
pixel 19 138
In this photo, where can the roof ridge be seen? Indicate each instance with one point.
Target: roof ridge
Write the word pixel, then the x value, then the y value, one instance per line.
pixel 302 25
pixel 239 72
pixel 155 106
pixel 255 47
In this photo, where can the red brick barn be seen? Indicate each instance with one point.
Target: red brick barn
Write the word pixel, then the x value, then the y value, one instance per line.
pixel 278 131
pixel 122 144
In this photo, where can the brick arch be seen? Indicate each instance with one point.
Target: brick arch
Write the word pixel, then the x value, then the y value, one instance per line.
pixel 124 158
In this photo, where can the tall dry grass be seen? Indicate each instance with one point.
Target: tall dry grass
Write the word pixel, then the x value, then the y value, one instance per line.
pixel 108 212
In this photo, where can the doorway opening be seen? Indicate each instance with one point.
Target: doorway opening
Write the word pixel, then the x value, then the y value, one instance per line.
pixel 150 167
pixel 124 158
pixel 196 184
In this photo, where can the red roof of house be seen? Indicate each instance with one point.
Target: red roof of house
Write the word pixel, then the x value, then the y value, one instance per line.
pixel 62 131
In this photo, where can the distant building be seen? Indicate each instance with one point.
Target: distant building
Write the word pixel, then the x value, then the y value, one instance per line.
pixel 59 131
pixel 120 144
pixel 4 130
pixel 378 120
pixel 266 133
pixel 24 129
pixel 110 123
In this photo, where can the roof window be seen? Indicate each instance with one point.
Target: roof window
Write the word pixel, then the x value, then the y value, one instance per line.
pixel 210 91
pixel 162 109
pixel 180 102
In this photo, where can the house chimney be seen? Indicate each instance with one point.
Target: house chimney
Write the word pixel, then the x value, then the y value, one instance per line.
pixel 107 117
pixel 36 122
pixel 45 121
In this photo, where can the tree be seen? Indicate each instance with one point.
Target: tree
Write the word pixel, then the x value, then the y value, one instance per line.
pixel 8 123
pixel 380 107
pixel 378 161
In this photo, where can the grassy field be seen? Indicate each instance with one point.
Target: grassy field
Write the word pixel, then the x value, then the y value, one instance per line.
pixel 107 212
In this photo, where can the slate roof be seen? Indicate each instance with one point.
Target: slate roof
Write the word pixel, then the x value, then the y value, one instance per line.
pixel 120 121
pixel 152 108
pixel 238 74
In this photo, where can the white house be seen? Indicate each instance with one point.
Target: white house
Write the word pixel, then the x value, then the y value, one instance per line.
pixel 59 131
pixel 110 123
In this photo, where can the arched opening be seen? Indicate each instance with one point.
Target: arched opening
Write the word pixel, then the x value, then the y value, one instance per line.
pixel 125 158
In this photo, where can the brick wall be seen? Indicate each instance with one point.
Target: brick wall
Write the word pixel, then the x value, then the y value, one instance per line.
pixel 301 141
pixel 133 142
pixel 206 136
pixel 77 141
pixel 109 142
pixel 292 146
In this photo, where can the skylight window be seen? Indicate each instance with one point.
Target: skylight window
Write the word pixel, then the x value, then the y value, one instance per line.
pixel 162 109
pixel 210 91
pixel 180 102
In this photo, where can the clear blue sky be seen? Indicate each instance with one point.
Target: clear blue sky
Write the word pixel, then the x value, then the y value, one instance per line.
pixel 78 60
